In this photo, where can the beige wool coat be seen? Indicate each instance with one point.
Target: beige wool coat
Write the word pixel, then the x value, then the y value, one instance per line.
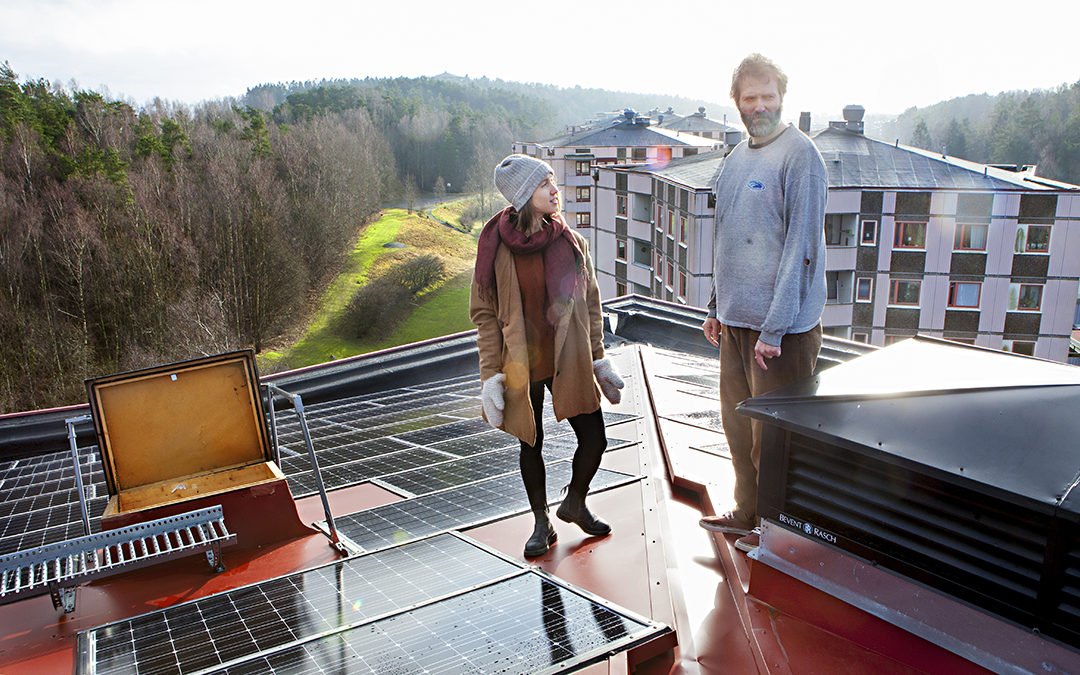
pixel 500 339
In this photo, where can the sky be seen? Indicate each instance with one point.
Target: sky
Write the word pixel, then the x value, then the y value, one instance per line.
pixel 886 56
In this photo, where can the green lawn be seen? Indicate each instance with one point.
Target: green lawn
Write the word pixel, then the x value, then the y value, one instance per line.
pixel 440 311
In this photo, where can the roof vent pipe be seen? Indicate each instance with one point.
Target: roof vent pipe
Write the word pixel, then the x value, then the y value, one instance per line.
pixel 804 122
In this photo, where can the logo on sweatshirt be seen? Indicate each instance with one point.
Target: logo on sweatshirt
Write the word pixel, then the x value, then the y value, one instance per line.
pixel 756 185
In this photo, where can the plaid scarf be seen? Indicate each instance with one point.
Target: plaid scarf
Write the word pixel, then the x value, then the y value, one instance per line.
pixel 564 263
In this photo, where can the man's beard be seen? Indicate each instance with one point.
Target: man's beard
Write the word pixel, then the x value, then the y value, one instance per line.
pixel 760 125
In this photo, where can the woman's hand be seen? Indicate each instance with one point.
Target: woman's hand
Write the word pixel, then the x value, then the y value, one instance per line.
pixel 491 398
pixel 609 381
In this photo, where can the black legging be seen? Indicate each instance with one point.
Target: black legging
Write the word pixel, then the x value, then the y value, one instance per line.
pixel 592 442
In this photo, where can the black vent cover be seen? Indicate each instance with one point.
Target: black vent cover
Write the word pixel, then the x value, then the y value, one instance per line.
pixel 952 465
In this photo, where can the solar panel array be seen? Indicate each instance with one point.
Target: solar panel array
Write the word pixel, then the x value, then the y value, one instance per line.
pixel 383 437
pixel 457 508
pixel 443 604
pixel 39 503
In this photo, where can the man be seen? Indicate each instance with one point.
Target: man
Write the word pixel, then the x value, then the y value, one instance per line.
pixel 768 272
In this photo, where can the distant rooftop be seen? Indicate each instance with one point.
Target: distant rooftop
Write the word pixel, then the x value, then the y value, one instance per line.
pixel 630 130
pixel 696 122
pixel 858 161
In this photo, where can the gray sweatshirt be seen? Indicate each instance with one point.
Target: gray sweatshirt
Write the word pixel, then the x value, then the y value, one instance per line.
pixel 769 238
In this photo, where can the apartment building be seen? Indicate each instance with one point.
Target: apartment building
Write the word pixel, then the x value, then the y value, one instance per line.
pixel 917 242
pixel 630 139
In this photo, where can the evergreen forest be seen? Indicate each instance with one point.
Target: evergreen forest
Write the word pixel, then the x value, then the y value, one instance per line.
pixel 1040 127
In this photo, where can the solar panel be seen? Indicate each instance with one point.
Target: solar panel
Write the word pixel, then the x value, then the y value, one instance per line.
pixel 343 454
pixel 445 432
pixel 245 622
pixel 457 508
pixel 525 624
pixel 705 419
pixel 492 439
pixel 720 449
pixel 341 475
pixel 443 604
pixel 433 478
pixel 712 380
pixel 611 418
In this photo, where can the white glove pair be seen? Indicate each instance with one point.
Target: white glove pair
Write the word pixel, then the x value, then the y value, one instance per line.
pixel 493 400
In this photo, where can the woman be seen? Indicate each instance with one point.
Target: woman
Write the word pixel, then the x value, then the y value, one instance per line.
pixel 537 312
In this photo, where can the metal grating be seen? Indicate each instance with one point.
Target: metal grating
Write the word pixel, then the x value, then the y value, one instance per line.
pixel 58 568
pixel 457 508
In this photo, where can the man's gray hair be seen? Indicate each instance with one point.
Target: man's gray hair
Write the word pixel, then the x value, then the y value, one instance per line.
pixel 759 67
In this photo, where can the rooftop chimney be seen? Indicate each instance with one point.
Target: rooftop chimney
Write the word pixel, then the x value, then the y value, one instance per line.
pixel 853 118
pixel 804 122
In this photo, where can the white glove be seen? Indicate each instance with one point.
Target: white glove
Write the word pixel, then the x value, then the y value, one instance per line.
pixel 609 381
pixel 491 397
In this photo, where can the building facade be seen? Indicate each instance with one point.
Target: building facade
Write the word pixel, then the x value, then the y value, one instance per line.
pixel 917 243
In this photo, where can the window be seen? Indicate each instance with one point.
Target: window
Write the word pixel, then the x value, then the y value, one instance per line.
pixel 669 278
pixel 620 289
pixel 1025 297
pixel 864 289
pixel 684 233
pixel 838 284
pixel 581 168
pixel 869 234
pixel 620 249
pixel 584 219
pixel 637 154
pixel 642 252
pixel 659 216
pixel 1025 347
pixel 620 205
pixel 904 292
pixel 893 339
pixel 689 152
pixel 671 224
pixel 910 235
pixel 658 266
pixel 860 337
pixel 620 153
pixel 964 294
pixel 1033 239
pixel 970 237
pixel 620 181
pixel 584 193
pixel 840 229
pixel 682 284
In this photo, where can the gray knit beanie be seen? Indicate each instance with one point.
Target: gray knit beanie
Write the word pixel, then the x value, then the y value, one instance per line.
pixel 518 176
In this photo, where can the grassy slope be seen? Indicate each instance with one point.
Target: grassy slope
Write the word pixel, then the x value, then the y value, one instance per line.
pixel 441 310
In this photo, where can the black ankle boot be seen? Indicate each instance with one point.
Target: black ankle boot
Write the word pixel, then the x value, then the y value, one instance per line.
pixel 573 510
pixel 542 538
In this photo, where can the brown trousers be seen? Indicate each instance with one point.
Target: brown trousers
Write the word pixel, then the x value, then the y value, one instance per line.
pixel 740 379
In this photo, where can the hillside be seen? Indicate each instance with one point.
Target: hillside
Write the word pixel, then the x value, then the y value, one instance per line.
pixel 560 106
pixel 1040 126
